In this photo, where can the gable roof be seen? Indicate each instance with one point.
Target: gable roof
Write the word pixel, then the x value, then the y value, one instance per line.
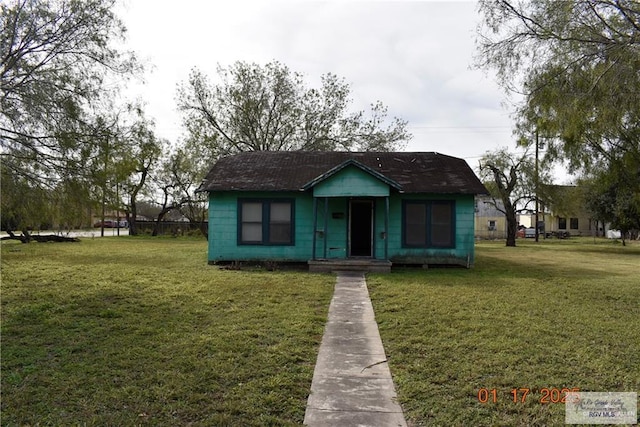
pixel 300 170
pixel 351 162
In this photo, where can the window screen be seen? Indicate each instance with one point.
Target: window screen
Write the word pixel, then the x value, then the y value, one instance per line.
pixel 265 222
pixel 428 224
pixel 415 224
pixel 251 222
pixel 280 223
pixel 441 224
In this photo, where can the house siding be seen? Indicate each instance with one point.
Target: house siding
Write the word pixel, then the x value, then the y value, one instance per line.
pixel 223 229
pixel 483 231
pixel 462 253
pixel 485 212
pixel 223 225
pixel 351 182
pixel 336 231
pixel 585 227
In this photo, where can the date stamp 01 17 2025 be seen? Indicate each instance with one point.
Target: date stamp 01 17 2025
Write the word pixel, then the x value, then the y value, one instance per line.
pixel 580 407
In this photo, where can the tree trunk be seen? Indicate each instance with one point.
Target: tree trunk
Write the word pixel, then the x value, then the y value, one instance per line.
pixel 156 224
pixel 26 237
pixel 204 226
pixel 204 229
pixel 512 227
pixel 131 217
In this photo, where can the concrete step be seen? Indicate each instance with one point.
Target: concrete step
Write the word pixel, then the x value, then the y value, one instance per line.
pixel 350 264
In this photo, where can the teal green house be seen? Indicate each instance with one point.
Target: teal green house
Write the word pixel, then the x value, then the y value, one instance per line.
pixel 336 210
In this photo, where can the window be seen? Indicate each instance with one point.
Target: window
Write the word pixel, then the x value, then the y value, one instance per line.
pixel 265 222
pixel 280 223
pixel 251 222
pixel 428 224
pixel 573 223
pixel 562 223
pixel 442 224
pixel 492 225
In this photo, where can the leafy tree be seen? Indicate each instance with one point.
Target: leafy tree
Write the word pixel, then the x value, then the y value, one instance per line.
pixel 270 108
pixel 139 162
pixel 73 205
pixel 19 201
pixel 57 58
pixel 564 200
pixel 118 157
pixel 576 63
pixel 24 207
pixel 613 196
pixel 125 154
pixel 511 179
pixel 102 171
pixel 176 181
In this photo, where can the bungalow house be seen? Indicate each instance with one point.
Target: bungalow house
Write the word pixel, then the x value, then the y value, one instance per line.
pixel 342 209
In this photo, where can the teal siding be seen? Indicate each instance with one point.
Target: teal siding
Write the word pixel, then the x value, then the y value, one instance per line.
pixel 223 229
pixel 462 253
pixel 336 232
pixel 223 226
pixel 351 182
pixel 378 229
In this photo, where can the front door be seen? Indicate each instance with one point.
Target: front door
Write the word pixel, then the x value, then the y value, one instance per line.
pixel 361 228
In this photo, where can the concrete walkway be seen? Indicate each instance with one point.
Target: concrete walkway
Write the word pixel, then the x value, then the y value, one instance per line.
pixel 352 384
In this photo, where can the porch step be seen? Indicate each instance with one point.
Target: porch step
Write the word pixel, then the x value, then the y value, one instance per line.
pixel 365 265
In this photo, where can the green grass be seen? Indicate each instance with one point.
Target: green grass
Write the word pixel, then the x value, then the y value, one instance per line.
pixel 559 314
pixel 139 331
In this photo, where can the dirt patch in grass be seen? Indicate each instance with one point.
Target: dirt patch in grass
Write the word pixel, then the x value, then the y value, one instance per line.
pixel 140 331
pixel 540 317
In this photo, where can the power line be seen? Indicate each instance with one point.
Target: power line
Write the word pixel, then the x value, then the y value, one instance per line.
pixel 459 127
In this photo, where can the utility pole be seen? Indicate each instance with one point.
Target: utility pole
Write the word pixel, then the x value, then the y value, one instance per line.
pixel 104 186
pixel 536 185
pixel 117 207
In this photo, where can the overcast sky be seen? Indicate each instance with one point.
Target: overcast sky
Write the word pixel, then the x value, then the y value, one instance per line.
pixel 414 56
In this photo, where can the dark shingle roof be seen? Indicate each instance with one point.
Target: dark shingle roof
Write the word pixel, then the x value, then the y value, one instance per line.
pixel 291 170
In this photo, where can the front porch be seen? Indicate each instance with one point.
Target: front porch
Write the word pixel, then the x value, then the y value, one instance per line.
pixel 350 264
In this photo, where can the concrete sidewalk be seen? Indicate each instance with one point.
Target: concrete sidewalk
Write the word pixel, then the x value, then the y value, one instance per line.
pixel 352 384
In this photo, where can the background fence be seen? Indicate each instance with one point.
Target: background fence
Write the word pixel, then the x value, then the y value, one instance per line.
pixel 173 228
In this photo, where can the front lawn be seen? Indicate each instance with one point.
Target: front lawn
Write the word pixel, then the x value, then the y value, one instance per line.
pixel 140 331
pixel 546 317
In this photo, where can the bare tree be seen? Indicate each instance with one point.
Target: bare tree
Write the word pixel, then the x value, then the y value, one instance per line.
pixel 510 179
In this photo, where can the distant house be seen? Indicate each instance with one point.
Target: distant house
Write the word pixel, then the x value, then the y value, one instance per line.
pixel 490 221
pixel 341 209
pixel 564 211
